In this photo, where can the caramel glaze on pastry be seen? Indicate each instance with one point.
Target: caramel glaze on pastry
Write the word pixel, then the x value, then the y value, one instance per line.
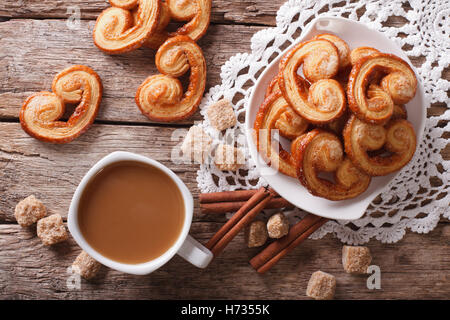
pixel 337 125
pixel 197 12
pixel 324 100
pixel 373 101
pixel 117 31
pixel 124 4
pixel 267 119
pixel 397 138
pixel 361 52
pixel 290 124
pixel 319 151
pixel 320 60
pixel 160 97
pixel 41 112
pixel 183 10
pixel 273 86
pixel 342 47
pixel 160 35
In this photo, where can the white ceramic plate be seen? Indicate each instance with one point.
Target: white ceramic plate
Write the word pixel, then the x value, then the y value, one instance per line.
pixel 355 34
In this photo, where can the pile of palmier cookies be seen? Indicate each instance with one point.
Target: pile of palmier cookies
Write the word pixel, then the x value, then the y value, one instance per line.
pixel 345 116
pixel 126 26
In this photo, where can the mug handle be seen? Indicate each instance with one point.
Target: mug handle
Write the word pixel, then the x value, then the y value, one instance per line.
pixel 194 252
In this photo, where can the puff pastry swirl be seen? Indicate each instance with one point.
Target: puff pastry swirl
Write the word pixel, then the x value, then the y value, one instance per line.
pixel 397 138
pixel 341 46
pixel 324 100
pixel 372 101
pixel 198 13
pixel 41 112
pixel 267 120
pixel 118 30
pixel 160 97
pixel 319 151
pixel 160 35
pixel 361 52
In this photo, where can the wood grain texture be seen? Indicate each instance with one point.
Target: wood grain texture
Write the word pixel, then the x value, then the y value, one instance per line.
pixel 29 270
pixel 34 51
pixel 232 11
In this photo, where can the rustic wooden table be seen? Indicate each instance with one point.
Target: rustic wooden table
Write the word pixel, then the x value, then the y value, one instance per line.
pixel 35 44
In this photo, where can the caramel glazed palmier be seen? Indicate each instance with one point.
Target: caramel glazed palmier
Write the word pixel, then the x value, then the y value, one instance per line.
pixel 41 112
pixel 160 97
pixel 197 12
pixel 376 84
pixel 322 99
pixel 123 28
pixel 268 118
pixel 321 151
pixel 397 138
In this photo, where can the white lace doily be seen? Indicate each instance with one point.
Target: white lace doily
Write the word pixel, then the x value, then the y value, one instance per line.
pixel 418 197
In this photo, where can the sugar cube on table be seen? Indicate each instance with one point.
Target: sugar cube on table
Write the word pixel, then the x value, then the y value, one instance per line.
pixel 86 266
pixel 29 211
pixel 356 259
pixel 51 230
pixel 321 286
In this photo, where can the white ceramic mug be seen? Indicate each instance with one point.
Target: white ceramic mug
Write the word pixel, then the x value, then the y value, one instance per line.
pixel 186 246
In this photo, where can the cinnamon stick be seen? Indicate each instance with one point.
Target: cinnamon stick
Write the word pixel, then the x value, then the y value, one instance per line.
pixel 224 207
pixel 239 220
pixel 269 264
pixel 278 249
pixel 227 196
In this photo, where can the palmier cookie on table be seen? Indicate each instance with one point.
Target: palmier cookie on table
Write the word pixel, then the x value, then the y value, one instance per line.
pixel 397 137
pixel 197 12
pixel 267 119
pixel 41 112
pixel 324 100
pixel 160 35
pixel 160 97
pixel 118 29
pixel 371 99
pixel 321 151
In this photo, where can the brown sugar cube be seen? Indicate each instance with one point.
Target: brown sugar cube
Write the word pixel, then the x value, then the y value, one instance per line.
pixel 256 234
pixel 277 226
pixel 29 211
pixel 86 266
pixel 321 286
pixel 228 158
pixel 356 259
pixel 51 230
pixel 221 115
pixel 196 145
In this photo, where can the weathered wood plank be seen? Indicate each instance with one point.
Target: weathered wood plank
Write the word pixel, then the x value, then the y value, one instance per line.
pixel 33 51
pixel 408 271
pixel 233 11
pixel 52 172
